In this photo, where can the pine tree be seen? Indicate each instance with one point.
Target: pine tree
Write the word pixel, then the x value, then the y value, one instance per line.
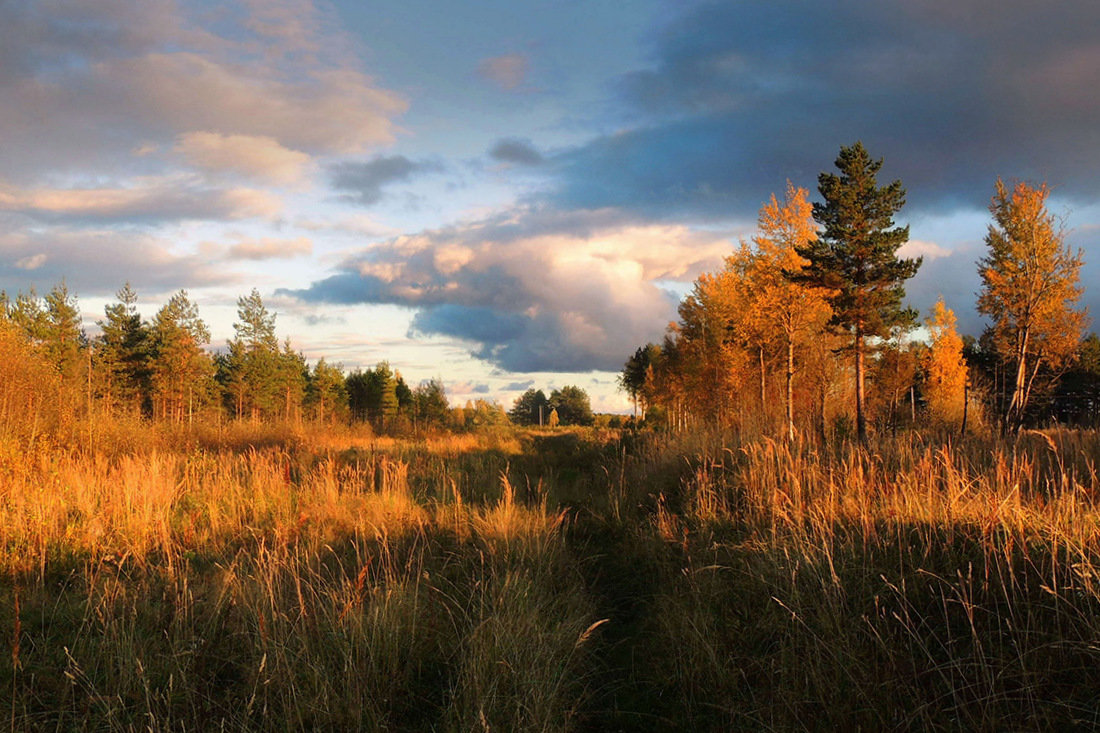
pixel 326 393
pixel 62 336
pixel 122 353
pixel 181 369
pixel 251 371
pixel 855 257
pixel 1030 289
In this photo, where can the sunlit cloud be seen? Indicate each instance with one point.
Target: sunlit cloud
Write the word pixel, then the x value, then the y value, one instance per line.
pixel 146 200
pixel 533 291
pixel 269 248
pixel 252 156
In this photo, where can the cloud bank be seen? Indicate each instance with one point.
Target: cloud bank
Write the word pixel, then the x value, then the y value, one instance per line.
pixel 532 290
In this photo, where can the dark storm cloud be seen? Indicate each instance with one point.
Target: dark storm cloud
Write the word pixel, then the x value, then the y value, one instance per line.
pixel 743 96
pixel 515 152
pixel 363 182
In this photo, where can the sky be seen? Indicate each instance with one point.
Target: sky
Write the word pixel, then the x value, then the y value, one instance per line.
pixel 513 194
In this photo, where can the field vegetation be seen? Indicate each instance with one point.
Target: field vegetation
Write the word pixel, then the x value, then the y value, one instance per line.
pixel 254 577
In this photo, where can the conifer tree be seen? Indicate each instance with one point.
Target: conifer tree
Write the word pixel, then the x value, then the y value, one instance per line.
pixel 251 371
pixel 855 256
pixel 181 369
pixel 62 337
pixel 122 353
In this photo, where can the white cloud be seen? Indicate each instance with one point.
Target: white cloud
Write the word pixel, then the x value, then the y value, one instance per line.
pixel 31 262
pixel 918 248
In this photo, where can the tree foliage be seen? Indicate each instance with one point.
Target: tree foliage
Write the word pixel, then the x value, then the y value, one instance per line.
pixel 1030 289
pixel 944 366
pixel 855 256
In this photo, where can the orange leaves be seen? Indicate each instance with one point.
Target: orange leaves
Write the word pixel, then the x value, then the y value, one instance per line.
pixel 945 389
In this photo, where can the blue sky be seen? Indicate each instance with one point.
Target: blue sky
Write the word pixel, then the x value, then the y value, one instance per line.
pixel 509 194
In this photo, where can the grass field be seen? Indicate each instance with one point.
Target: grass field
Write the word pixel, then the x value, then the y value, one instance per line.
pixel 262 578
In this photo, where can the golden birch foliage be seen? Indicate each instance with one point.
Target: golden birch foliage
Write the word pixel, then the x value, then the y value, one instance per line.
pixel 945 389
pixel 1030 287
pixel 794 310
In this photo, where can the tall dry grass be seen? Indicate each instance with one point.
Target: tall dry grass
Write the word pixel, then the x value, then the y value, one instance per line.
pixel 256 577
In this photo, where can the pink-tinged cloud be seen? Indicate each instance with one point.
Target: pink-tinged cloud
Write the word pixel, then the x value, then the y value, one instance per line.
pixel 98 262
pixel 269 248
pixel 508 71
pixel 534 291
pixel 253 156
pixel 146 199
pixel 100 86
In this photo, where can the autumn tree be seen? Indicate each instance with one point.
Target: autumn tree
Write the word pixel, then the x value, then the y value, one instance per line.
pixel 795 310
pixel 855 257
pixel 944 366
pixel 1030 290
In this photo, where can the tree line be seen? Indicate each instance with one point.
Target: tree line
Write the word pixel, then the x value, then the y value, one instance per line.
pixel 162 369
pixel 806 325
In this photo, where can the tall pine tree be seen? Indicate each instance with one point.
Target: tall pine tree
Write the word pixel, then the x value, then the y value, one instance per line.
pixel 855 256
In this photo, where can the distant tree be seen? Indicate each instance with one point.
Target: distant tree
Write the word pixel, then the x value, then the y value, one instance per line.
pixel 855 257
pixel 894 376
pixel 430 399
pixel 484 413
pixel 384 394
pixel 326 394
pixel 1077 398
pixel 181 369
pixel 1030 291
pixel 945 367
pixel 62 336
pixel 554 420
pixel 358 385
pixel 372 395
pixel 27 315
pixel 530 408
pixel 636 374
pixel 572 406
pixel 122 354
pixel 250 371
pixel 292 376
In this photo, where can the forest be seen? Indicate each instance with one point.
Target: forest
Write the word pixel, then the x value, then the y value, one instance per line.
pixel 825 510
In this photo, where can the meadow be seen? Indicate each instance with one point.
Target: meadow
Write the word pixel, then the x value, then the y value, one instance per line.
pixel 261 577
